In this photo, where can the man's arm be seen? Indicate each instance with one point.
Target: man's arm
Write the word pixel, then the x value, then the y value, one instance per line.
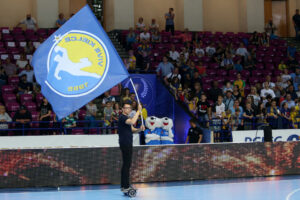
pixel 137 130
pixel 187 139
pixel 200 139
pixel 133 120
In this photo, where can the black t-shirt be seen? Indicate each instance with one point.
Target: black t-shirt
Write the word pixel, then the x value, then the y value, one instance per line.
pixel 44 110
pixel 194 134
pixel 249 113
pixel 203 108
pixel 296 19
pixel 26 115
pixel 124 131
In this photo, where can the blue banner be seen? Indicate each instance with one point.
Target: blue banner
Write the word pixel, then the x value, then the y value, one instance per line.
pixel 146 89
pixel 77 63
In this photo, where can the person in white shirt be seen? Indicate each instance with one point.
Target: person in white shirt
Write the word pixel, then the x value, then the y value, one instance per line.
pixel 28 72
pixel 140 25
pixel 210 49
pixel 199 51
pixel 172 75
pixel 242 51
pixel 22 62
pixel 267 91
pixel 29 22
pixel 153 26
pixel 271 84
pixel 174 55
pixel 145 35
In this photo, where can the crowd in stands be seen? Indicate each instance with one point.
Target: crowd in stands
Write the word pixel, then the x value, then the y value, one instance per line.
pixel 227 81
pixel 24 110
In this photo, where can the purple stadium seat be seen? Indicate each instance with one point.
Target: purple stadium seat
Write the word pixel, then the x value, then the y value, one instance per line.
pixel 12 106
pixel 206 80
pixel 231 78
pixel 6 89
pixel 277 72
pixel 41 32
pixel 267 72
pixel 214 65
pixel 31 106
pixel 253 80
pixel 9 97
pixel 245 74
pixel 175 40
pixel 256 73
pixel 211 72
pixel 35 115
pixel 232 72
pixel 25 98
pixel 270 66
pixel 206 87
pixel 77 132
pixel 268 59
pixel 165 39
pixel 7 37
pixel 205 59
pixel 222 72
pixel 81 114
pixel 259 66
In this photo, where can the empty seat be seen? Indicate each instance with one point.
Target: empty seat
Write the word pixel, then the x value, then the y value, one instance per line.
pixel 12 106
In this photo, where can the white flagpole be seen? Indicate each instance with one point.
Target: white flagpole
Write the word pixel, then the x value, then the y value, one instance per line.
pixel 138 99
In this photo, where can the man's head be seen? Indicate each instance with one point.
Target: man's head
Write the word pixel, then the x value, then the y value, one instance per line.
pixel 288 97
pixel 228 93
pixel 28 16
pixel 126 108
pixel 132 96
pixel 171 10
pixel 24 78
pixel 61 16
pixel 165 59
pixel 22 109
pixel 153 21
pixel 215 84
pixel 268 78
pixel 193 123
pixel 203 97
pixel 297 11
pixel 220 99
pixel 106 94
pixel 273 103
pixel 266 85
pixel 197 86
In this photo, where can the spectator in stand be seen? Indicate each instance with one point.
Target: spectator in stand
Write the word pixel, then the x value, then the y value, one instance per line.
pixel 140 24
pixel 155 37
pixel 29 48
pixel 145 35
pixel 203 111
pixel 60 21
pixel 3 76
pixel 201 69
pixel 131 60
pixel 215 91
pixel 289 101
pixel 226 121
pixel 235 106
pixel 298 92
pixel 270 28
pixel 29 22
pixel 144 49
pixel 170 76
pixel 197 90
pixel 261 114
pixel 192 105
pixel 90 116
pixel 134 108
pixel 236 121
pixel 165 67
pixel 291 50
pixel 228 99
pixel 268 80
pixel 125 95
pixel 175 85
pixel 170 25
pixel 282 65
pixel 286 117
pixel 195 134
pixel 45 116
pixel 29 73
pixel 273 114
pixel 249 63
pixel 264 40
pixel 153 27
pixel 286 76
pixel 228 86
pixel 174 55
pixel 210 49
pixel 186 54
pixel 296 21
pixel 242 51
pixel 292 91
pixel 108 113
pixel 107 98
pixel 117 111
pixel 10 68
pixel 132 98
pixel 237 65
pixel 4 119
pixel 254 95
pixel 22 62
pixel 185 37
pixel 22 118
pixel 240 83
pixel 24 87
pixel 267 91
pixel 248 116
pixel 254 39
pixel 236 93
pixel 218 113
pixel 69 123
pixel 296 77
pixel 130 39
pixel 199 51
pixel 227 62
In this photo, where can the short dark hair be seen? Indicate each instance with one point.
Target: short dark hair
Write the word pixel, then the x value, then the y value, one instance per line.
pixel 126 103
pixel 194 121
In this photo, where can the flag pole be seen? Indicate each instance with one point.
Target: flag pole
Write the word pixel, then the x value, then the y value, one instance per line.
pixel 138 99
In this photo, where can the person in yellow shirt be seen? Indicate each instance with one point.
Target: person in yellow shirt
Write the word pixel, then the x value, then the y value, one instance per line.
pixel 131 60
pixel 282 66
pixel 240 83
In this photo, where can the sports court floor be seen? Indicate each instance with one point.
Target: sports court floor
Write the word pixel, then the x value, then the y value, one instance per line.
pixel 274 188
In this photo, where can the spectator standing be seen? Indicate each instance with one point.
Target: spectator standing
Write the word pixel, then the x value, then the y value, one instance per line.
pixel 22 118
pixel 296 22
pixel 45 116
pixel 60 21
pixel 90 117
pixel 170 25
pixel 153 27
pixel 29 22
pixel 195 134
pixel 140 24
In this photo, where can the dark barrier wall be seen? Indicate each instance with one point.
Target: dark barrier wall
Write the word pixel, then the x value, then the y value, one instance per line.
pixel 53 167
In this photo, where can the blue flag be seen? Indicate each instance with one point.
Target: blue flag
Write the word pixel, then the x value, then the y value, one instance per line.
pixel 77 63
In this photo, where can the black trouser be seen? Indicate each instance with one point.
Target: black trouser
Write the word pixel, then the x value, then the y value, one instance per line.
pixel 170 28
pixel 125 172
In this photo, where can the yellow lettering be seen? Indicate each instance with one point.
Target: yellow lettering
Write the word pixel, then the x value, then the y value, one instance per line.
pixel 81 86
pixel 70 89
pixel 76 88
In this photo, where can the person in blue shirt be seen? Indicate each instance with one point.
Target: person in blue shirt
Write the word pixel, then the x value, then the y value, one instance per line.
pixel 273 114
pixel 170 21
pixel 286 117
pixel 291 50
pixel 61 20
pixel 165 67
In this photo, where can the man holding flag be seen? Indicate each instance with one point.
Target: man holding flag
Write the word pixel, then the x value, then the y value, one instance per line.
pixel 78 63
